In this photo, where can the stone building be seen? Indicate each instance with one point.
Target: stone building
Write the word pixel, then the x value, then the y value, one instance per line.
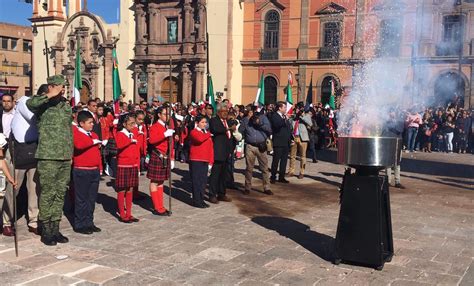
pixel 15 59
pixel 61 24
pixel 330 40
pixel 170 31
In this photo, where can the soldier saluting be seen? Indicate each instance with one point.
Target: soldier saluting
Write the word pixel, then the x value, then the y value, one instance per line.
pixel 54 153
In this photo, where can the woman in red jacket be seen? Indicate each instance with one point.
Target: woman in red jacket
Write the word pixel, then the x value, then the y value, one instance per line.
pixel 201 156
pixel 160 163
pixel 128 160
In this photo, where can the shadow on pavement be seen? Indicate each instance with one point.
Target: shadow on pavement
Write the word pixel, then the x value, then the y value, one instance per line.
pixel 318 243
pixel 109 204
pixel 418 166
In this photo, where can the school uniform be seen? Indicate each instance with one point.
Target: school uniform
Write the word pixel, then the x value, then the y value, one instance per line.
pixel 87 165
pixel 141 134
pixel 159 165
pixel 128 160
pixel 201 155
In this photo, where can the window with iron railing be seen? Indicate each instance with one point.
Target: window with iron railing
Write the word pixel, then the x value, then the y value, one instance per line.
pixel 390 38
pixel 331 41
pixel 271 36
pixel 452 36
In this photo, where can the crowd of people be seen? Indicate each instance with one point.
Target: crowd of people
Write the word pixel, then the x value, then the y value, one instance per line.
pixel 63 152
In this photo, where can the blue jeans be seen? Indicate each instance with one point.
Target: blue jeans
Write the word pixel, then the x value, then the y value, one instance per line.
pixel 412 132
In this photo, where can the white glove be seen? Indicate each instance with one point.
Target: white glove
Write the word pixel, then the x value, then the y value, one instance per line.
pixel 141 132
pixel 169 132
pixel 104 142
pixel 115 122
pixel 95 141
pixel 172 163
pixel 147 160
pixel 209 167
pixel 134 140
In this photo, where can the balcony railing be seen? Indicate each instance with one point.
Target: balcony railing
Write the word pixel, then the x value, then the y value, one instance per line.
pixel 268 54
pixel 327 53
pixel 448 49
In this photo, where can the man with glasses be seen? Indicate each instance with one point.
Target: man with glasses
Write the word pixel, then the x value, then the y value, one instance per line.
pixel 54 154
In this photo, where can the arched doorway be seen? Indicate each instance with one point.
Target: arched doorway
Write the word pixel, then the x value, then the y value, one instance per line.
pixel 175 92
pixel 85 92
pixel 326 88
pixel 271 90
pixel 449 88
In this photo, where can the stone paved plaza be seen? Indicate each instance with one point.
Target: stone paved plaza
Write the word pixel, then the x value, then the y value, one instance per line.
pixel 262 240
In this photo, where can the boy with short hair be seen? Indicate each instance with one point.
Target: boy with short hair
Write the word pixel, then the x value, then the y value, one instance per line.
pixel 87 167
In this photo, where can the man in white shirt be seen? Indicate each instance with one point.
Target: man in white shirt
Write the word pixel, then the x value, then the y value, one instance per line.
pixel 25 133
pixel 7 115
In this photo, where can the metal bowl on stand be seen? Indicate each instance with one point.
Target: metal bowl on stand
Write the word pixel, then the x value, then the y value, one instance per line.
pixel 369 151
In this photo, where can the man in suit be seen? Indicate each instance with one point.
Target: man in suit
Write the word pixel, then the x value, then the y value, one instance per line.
pixel 222 138
pixel 281 140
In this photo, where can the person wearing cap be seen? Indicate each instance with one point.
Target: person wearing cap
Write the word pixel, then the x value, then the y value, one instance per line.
pixel 54 154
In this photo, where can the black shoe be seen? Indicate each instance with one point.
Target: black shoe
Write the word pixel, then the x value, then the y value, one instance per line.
pixel 46 234
pixel 133 219
pixel 283 180
pixel 399 186
pixel 165 213
pixel 83 230
pixel 268 192
pixel 95 228
pixel 48 240
pixel 124 220
pixel 272 181
pixel 246 191
pixel 57 235
pixel 315 161
pixel 198 205
pixel 205 205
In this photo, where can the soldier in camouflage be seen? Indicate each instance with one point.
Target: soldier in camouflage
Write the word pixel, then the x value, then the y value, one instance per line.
pixel 54 154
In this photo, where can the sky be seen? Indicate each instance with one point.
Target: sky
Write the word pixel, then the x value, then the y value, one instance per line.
pixel 107 9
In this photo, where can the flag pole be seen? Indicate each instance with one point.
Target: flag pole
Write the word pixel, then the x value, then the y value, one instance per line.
pixel 170 140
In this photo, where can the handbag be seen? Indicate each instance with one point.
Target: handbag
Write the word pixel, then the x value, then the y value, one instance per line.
pixel 269 144
pixel 24 154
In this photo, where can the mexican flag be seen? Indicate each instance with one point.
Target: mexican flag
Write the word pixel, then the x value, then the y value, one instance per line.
pixel 332 97
pixel 289 95
pixel 260 97
pixel 210 92
pixel 77 81
pixel 116 88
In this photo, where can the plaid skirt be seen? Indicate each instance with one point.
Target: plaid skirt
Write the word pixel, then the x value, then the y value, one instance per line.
pixel 156 171
pixel 127 177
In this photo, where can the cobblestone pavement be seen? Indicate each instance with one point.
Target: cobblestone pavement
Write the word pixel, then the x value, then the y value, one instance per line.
pixel 261 240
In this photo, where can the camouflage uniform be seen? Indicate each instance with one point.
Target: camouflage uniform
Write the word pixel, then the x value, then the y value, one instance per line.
pixel 54 153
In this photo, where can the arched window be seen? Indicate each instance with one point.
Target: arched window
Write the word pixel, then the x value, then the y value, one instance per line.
pixel 271 90
pixel 272 30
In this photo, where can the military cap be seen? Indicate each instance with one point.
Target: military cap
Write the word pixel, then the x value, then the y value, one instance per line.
pixel 56 80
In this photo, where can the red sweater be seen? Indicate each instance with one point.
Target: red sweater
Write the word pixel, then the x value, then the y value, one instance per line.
pixel 128 153
pixel 158 139
pixel 142 139
pixel 202 148
pixel 106 124
pixel 86 153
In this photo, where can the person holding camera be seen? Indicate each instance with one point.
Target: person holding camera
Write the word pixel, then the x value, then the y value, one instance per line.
pixel 300 123
pixel 256 130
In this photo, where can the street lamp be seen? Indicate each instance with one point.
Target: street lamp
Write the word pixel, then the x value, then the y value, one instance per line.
pixel 46 50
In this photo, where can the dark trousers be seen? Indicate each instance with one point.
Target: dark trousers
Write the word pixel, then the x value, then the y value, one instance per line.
pixel 86 186
pixel 198 172
pixel 217 179
pixel 280 157
pixel 230 182
pixel 313 141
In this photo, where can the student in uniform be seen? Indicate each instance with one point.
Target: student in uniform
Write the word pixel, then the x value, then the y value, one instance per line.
pixel 87 165
pixel 128 162
pixel 141 134
pixel 201 156
pixel 160 163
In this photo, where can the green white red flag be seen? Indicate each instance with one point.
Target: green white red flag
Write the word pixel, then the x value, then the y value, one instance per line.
pixel 260 97
pixel 116 87
pixel 77 81
pixel 332 97
pixel 289 94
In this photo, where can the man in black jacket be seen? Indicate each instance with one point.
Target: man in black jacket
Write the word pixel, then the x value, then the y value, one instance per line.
pixel 281 140
pixel 222 139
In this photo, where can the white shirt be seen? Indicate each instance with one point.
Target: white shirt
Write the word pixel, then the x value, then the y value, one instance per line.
pixel 7 122
pixel 24 123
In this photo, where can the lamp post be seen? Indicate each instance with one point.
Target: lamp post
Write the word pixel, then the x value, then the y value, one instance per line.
pixel 46 50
